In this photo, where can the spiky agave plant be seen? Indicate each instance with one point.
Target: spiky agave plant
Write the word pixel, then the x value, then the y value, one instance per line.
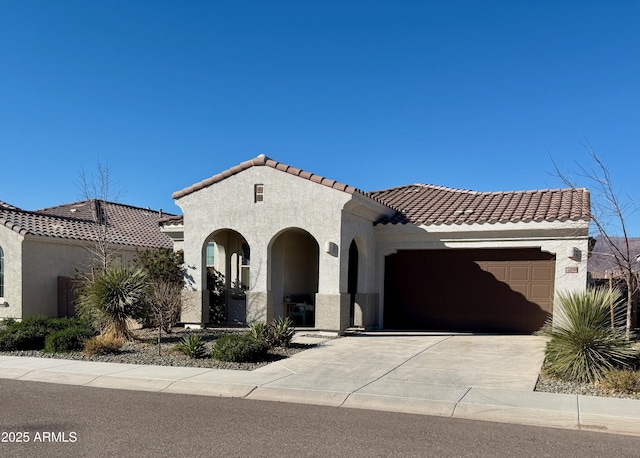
pixel 258 330
pixel 587 336
pixel 280 331
pixel 111 297
pixel 192 346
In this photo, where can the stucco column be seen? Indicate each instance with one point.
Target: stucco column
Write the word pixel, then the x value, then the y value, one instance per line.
pixel 195 307
pixel 332 312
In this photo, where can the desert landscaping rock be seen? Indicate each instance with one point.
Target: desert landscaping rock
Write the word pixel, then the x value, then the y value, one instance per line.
pixel 550 385
pixel 143 349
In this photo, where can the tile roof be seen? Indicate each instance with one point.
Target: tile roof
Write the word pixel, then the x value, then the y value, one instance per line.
pixel 602 260
pixel 435 205
pixel 263 160
pixel 127 225
pixel 176 220
pixel 6 205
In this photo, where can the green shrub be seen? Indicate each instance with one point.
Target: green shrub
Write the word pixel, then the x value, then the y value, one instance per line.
pixel 28 334
pixel 7 322
pixel 280 331
pixel 239 348
pixel 22 339
pixel 33 322
pixel 584 343
pixel 192 346
pixel 31 333
pixel 68 339
pixel 102 345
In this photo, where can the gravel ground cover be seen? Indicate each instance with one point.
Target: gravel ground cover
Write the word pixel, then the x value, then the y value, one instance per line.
pixel 143 349
pixel 551 385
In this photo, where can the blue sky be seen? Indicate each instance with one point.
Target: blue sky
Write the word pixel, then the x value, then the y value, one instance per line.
pixel 468 94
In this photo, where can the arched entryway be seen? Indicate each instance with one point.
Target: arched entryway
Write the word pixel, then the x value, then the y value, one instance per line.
pixel 352 281
pixel 293 275
pixel 227 260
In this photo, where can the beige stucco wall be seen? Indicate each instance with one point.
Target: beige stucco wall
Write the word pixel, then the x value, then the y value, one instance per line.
pixel 11 243
pixel 357 225
pixel 33 265
pixel 290 202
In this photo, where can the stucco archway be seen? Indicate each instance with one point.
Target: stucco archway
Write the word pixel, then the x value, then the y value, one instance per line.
pixel 293 275
pixel 356 282
pixel 226 259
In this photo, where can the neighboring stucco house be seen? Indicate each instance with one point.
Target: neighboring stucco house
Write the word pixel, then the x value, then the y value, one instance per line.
pixel 604 270
pixel 41 251
pixel 290 242
pixel 603 257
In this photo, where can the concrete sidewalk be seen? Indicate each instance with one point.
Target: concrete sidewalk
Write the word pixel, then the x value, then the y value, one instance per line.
pixel 476 377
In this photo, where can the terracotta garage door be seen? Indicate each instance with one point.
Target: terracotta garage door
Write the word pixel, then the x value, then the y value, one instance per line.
pixel 484 290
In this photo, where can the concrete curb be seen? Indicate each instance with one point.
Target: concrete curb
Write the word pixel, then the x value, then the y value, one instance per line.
pixel 508 406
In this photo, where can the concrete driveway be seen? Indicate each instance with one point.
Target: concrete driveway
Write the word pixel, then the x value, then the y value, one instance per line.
pixel 414 366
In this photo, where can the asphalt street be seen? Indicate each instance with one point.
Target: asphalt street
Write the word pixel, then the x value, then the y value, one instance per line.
pixel 63 420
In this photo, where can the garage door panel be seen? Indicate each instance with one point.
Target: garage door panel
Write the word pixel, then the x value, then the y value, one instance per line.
pixel 542 273
pixel 500 272
pixel 469 290
pixel 541 292
pixel 519 273
pixel 520 288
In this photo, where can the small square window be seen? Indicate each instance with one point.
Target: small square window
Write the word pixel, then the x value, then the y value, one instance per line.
pixel 258 192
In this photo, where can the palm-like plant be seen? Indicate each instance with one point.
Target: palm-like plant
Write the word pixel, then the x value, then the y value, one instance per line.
pixel 111 297
pixel 587 336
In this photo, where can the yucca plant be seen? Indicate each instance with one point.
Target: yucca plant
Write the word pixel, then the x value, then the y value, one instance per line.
pixel 111 297
pixel 587 336
pixel 192 346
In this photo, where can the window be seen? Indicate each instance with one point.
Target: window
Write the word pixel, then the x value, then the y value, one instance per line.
pixel 211 248
pixel 246 254
pixel 1 272
pixel 244 268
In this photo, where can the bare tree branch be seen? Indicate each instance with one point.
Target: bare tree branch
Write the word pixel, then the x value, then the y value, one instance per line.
pixel 97 190
pixel 607 215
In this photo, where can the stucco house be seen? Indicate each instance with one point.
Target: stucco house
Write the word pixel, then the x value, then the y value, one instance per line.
pixel 331 256
pixel 41 251
pixel 603 257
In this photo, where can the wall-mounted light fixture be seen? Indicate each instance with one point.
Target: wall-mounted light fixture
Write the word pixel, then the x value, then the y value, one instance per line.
pixel 4 304
pixel 331 248
pixel 574 253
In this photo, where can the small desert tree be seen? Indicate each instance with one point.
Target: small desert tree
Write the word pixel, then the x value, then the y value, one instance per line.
pixel 608 215
pixel 165 274
pixel 164 305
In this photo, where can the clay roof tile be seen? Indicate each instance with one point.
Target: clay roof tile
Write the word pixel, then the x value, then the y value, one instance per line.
pixel 429 204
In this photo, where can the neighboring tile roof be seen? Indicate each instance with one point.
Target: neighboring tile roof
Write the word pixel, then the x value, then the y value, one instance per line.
pixel 127 225
pixel 177 220
pixel 263 160
pixel 435 205
pixel 602 259
pixel 6 205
